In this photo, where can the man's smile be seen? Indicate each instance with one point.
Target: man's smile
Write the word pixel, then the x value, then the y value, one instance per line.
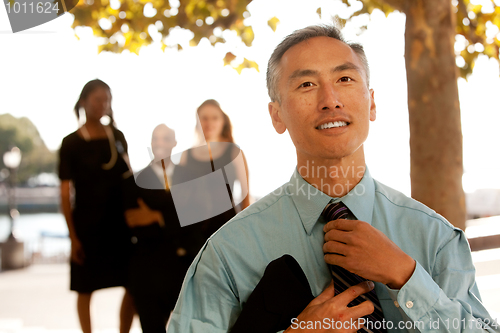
pixel 332 124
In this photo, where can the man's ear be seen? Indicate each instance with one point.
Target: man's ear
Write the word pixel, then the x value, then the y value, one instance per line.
pixel 373 107
pixel 275 113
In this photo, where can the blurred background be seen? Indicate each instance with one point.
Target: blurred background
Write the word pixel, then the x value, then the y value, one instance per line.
pixel 161 69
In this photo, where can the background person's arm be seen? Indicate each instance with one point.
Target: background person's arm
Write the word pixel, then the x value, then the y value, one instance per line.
pixel 77 254
pixel 242 175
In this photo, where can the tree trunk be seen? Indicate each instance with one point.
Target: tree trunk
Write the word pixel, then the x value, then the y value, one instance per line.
pixel 435 126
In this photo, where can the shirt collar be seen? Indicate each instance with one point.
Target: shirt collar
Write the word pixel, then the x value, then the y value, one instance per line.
pixel 310 201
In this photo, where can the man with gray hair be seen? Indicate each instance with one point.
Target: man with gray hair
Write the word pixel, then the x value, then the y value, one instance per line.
pixel 332 227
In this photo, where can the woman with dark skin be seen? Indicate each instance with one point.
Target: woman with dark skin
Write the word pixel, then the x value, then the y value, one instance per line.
pixel 93 163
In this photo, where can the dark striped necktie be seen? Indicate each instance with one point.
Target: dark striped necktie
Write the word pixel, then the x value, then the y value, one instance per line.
pixel 344 279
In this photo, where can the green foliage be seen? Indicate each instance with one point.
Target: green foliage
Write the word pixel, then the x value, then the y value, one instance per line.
pixel 13 134
pixel 473 22
pixel 129 23
pixel 36 157
pixel 370 5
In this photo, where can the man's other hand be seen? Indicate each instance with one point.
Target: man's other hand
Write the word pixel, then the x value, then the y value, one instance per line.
pixel 329 309
pixel 361 249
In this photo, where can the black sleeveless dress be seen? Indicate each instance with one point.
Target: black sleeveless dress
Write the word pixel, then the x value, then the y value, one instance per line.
pixel 98 210
pixel 196 169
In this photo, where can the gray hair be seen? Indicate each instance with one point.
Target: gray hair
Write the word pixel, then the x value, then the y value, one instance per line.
pixel 298 36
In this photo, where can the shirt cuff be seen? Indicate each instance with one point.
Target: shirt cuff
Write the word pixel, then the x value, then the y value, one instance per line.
pixel 418 295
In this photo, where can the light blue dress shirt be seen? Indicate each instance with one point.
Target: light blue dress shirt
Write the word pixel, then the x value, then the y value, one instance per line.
pixel 440 296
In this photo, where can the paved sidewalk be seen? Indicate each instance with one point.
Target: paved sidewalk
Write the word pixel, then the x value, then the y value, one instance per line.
pixel 37 298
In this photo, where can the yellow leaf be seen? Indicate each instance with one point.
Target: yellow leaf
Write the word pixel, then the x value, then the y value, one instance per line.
pixel 496 20
pixel 163 46
pixel 128 37
pixel 247 36
pixel 134 47
pixel 247 64
pixel 273 23
pixel 179 48
pixel 239 68
pixel 228 58
pixel 189 9
pixel 318 11
pixel 476 8
pixel 252 64
pixel 340 22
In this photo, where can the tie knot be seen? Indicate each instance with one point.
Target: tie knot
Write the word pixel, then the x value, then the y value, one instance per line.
pixel 335 211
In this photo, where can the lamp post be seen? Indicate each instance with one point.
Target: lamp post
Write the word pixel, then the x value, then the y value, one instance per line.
pixel 12 250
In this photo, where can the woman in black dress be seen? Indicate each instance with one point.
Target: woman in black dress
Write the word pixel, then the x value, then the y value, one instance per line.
pixel 215 153
pixel 93 161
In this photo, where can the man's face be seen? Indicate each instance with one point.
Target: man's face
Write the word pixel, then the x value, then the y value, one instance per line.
pixel 325 102
pixel 162 142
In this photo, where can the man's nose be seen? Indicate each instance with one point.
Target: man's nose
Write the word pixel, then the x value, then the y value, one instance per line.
pixel 329 98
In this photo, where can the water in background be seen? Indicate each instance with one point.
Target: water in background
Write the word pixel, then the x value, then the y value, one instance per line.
pixel 45 236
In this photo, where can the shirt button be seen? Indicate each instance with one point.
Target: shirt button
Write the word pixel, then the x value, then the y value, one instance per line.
pixel 133 240
pixel 396 304
pixel 409 304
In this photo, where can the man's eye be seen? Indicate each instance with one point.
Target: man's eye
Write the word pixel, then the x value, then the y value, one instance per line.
pixel 345 79
pixel 306 84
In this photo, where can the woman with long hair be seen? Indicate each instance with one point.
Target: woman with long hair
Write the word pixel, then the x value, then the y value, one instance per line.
pixel 92 163
pixel 216 151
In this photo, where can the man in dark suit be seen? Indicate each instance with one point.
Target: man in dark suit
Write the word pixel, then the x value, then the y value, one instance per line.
pixel 163 250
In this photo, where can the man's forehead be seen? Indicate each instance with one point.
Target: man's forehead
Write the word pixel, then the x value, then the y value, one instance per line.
pixel 163 131
pixel 316 48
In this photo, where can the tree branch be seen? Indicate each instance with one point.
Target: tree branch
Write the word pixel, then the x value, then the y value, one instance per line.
pixel 472 25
